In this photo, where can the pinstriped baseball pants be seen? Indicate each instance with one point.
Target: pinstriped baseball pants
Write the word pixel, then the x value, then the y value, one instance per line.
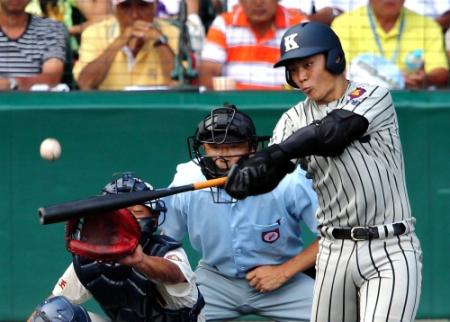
pixel 373 280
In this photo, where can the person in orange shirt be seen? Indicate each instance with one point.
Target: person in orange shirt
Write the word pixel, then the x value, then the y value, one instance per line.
pixel 244 44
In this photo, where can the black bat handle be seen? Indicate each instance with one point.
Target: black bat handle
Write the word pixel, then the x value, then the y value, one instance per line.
pixel 100 204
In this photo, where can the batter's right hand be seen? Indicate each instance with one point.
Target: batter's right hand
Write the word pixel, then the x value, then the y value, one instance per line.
pixel 258 174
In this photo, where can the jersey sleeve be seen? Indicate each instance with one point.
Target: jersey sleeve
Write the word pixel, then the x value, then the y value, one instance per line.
pixel 215 46
pixel 178 257
pixel 285 127
pixel 56 42
pixel 183 294
pixel 92 45
pixel 70 286
pixel 176 221
pixel 372 102
pixel 434 49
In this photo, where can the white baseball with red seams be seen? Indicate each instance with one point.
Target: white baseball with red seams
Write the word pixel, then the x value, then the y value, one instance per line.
pixel 50 149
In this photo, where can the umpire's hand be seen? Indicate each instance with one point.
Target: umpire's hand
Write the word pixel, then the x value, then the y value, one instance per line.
pixel 258 174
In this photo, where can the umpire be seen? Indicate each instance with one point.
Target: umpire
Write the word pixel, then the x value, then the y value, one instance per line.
pixel 346 136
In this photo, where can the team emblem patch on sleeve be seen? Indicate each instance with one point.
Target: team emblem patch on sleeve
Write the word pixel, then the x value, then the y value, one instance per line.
pixel 357 92
pixel 173 257
pixel 270 236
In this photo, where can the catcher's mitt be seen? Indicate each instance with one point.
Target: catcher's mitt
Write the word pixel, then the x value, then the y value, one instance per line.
pixel 108 236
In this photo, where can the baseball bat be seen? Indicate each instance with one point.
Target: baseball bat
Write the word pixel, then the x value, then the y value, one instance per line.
pixel 100 204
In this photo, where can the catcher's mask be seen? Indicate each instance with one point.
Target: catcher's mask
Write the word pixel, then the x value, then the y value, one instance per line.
pixel 59 309
pixel 224 125
pixel 128 183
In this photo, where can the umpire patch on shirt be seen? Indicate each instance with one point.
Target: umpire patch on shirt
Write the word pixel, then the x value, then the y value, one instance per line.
pixel 270 236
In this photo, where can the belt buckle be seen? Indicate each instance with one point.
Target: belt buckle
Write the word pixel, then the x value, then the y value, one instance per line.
pixel 352 233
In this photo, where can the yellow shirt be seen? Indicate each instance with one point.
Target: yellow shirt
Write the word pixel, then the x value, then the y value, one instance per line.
pixel 419 32
pixel 126 70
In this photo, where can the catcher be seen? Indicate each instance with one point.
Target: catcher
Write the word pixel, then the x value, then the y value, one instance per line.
pixel 134 274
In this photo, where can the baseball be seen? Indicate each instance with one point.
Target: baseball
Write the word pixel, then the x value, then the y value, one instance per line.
pixel 50 149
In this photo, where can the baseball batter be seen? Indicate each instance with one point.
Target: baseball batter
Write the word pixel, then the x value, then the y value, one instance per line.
pixel 346 137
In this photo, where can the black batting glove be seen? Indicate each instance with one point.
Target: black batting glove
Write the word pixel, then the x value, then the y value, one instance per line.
pixel 259 174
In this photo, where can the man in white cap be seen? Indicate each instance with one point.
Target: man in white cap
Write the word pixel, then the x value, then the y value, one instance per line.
pixel 129 49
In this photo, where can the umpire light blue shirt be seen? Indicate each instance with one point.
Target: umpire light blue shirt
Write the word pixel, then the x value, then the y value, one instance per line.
pixel 236 237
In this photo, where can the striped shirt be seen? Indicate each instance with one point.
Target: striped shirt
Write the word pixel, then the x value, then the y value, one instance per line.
pixel 245 56
pixel 42 39
pixel 365 185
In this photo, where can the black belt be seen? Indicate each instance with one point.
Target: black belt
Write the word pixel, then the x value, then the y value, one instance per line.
pixel 366 233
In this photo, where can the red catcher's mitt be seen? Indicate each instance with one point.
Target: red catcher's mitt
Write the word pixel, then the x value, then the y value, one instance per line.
pixel 107 237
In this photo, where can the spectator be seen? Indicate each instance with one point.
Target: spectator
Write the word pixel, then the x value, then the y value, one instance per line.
pixel 447 43
pixel 60 10
pixel 438 10
pixel 93 11
pixel 323 11
pixel 395 47
pixel 155 283
pixel 304 6
pixel 75 14
pixel 253 260
pixel 244 44
pixel 326 10
pixel 171 9
pixel 129 49
pixel 33 49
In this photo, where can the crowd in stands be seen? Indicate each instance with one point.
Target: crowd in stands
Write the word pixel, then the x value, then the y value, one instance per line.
pixel 147 44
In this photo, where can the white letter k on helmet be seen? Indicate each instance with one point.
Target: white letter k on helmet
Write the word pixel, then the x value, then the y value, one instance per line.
pixel 290 43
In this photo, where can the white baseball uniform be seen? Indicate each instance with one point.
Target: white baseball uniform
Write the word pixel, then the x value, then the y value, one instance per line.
pixel 362 280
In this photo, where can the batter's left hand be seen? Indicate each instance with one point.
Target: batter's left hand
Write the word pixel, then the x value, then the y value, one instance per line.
pixel 258 174
pixel 267 278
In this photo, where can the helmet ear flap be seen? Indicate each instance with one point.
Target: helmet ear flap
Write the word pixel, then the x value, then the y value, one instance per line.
pixel 335 61
pixel 289 78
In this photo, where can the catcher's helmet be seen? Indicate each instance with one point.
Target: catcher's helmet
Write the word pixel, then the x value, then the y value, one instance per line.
pixel 59 309
pixel 128 183
pixel 224 125
pixel 308 39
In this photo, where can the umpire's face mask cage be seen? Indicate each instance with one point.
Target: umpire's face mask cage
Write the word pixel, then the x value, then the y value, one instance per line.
pixel 128 183
pixel 224 125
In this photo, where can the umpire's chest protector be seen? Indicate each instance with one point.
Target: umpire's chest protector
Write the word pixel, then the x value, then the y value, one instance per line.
pixel 123 293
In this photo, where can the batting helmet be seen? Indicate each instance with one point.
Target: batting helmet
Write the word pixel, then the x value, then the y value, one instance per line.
pixel 308 39
pixel 128 183
pixel 224 125
pixel 59 309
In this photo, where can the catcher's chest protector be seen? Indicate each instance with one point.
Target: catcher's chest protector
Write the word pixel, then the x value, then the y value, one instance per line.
pixel 125 294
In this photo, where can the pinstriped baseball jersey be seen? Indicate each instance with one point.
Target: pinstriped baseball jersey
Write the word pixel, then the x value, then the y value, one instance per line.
pixel 365 185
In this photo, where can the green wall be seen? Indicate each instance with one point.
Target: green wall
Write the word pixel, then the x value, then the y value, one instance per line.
pixel 104 133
